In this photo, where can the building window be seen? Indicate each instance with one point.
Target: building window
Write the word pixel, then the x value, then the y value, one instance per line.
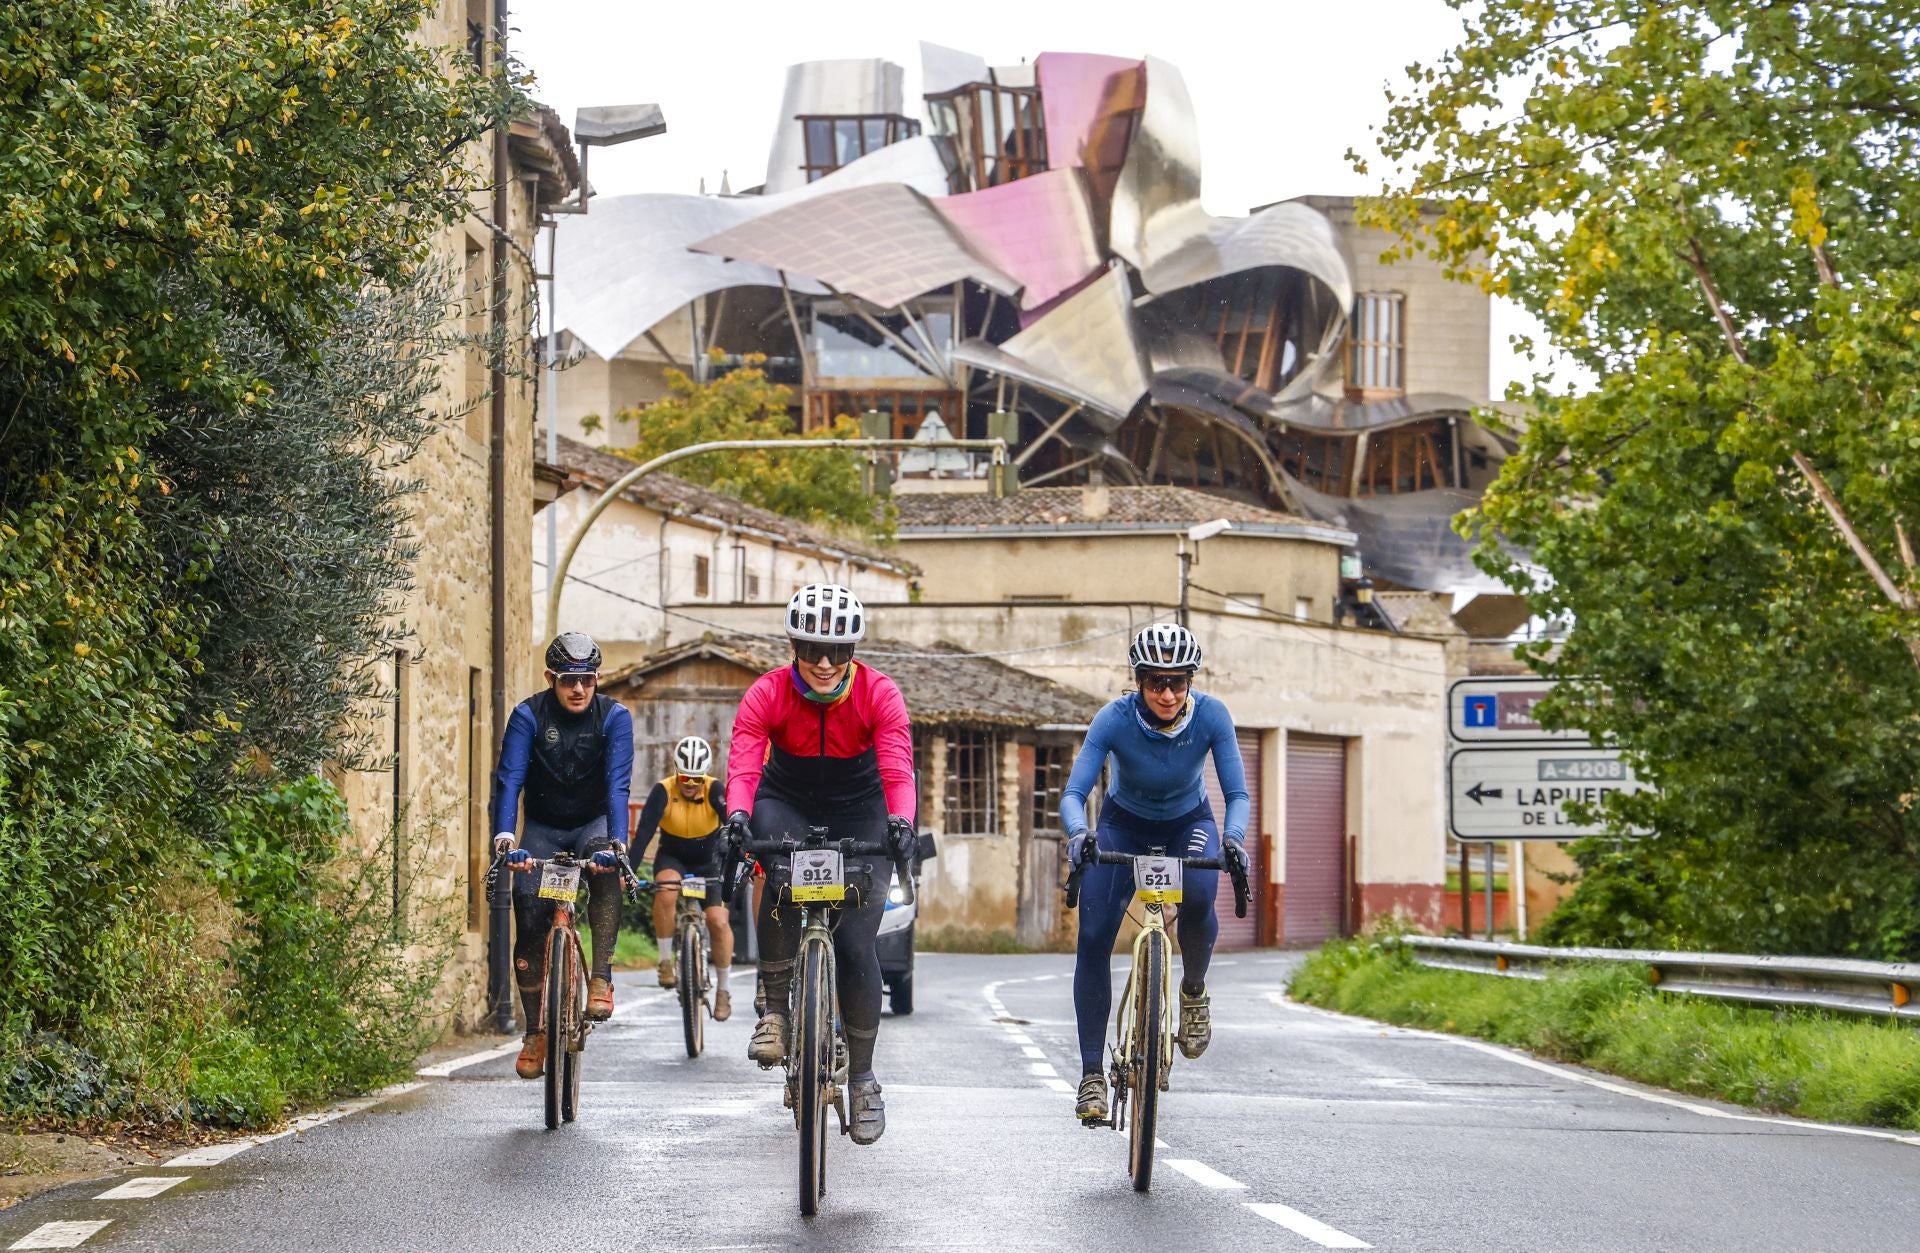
pixel 1319 461
pixel 753 587
pixel 1378 343
pixel 702 576
pixel 1407 458
pixel 905 409
pixel 1246 604
pixel 999 131
pixel 845 345
pixel 1051 765
pixel 970 801
pixel 1303 608
pixel 832 142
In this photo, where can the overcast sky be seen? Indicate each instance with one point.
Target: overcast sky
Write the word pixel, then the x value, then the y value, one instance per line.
pixel 1282 88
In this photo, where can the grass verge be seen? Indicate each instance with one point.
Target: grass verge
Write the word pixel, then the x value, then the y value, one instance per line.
pixel 634 950
pixel 1808 1064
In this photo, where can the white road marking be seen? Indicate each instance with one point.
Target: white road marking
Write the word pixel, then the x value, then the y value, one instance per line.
pixel 1019 1037
pixel 214 1154
pixel 1202 1174
pixel 69 1235
pixel 440 1070
pixel 1035 1053
pixel 1060 1085
pixel 1043 1069
pixel 1592 1081
pixel 1312 1228
pixel 1158 1143
pixel 138 1189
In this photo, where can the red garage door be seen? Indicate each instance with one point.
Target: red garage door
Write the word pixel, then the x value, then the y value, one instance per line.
pixel 1316 805
pixel 1239 932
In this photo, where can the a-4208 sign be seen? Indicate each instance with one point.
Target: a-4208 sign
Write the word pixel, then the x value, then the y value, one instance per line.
pixel 1511 780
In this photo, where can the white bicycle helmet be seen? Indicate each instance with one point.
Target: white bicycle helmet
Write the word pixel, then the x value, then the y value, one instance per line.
pixel 1165 646
pixel 826 613
pixel 693 755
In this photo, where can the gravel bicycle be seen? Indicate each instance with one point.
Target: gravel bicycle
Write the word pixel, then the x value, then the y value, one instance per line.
pixel 563 998
pixel 816 1061
pixel 1146 1026
pixel 693 953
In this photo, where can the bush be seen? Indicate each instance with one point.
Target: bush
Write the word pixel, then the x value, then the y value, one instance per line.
pixel 1610 1018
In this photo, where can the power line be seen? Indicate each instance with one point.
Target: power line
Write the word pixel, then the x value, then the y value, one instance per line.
pixel 1292 620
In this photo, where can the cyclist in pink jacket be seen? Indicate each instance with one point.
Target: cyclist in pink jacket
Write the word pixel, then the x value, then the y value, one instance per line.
pixel 825 742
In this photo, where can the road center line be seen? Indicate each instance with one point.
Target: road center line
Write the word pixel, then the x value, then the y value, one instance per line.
pixel 1028 1050
pixel 1203 1174
pixel 63 1235
pixel 1312 1228
pixel 141 1188
pixel 1059 1085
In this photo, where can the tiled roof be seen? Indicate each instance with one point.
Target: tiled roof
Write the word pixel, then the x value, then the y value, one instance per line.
pixel 669 494
pixel 943 683
pixel 1067 506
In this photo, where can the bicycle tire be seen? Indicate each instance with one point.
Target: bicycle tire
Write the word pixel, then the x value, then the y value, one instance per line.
pixel 693 1017
pixel 814 1058
pixel 576 1030
pixel 1149 1022
pixel 555 1014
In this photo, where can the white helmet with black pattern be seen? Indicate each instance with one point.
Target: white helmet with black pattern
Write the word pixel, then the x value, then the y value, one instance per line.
pixel 693 755
pixel 826 613
pixel 1165 646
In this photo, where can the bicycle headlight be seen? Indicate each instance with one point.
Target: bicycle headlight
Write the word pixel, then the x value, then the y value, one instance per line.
pixel 897 894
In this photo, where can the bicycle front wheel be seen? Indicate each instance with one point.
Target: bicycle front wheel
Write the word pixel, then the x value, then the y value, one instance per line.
pixel 558 998
pixel 1150 1057
pixel 813 1056
pixel 576 1029
pixel 692 962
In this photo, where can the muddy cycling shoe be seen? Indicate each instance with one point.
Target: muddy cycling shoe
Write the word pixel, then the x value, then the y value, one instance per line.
pixel 668 967
pixel 722 1005
pixel 599 999
pixel 532 1062
pixel 866 1111
pixel 1196 1024
pixel 769 1043
pixel 1091 1105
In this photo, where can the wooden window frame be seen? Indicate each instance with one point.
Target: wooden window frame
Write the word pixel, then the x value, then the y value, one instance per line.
pixel 897 128
pixel 1377 355
pixel 1052 763
pixel 1003 109
pixel 702 576
pixel 971 805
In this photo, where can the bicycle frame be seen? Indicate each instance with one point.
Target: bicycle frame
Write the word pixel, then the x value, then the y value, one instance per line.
pixel 1130 1038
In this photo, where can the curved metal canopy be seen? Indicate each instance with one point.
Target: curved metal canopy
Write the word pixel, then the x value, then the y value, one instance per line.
pixel 1084 349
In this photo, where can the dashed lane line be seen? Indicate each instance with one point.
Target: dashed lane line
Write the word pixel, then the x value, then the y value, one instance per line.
pixel 61 1235
pixel 1059 1085
pixel 1034 1051
pixel 1201 1173
pixel 214 1154
pixel 1303 1225
pixel 141 1188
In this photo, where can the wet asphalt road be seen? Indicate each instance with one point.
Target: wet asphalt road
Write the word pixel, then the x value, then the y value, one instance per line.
pixel 1298 1130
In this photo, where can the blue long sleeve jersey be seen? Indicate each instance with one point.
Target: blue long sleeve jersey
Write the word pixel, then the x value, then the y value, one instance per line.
pixel 572 802
pixel 1156 775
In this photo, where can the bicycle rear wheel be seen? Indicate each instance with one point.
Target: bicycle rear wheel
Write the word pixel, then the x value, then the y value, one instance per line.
pixel 576 1030
pixel 557 999
pixel 693 1014
pixel 1149 1051
pixel 814 1058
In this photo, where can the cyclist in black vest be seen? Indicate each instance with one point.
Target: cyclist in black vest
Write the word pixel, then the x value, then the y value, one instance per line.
pixel 568 755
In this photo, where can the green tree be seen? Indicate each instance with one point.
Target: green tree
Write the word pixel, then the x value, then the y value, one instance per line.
pixel 194 197
pixel 1707 203
pixel 822 488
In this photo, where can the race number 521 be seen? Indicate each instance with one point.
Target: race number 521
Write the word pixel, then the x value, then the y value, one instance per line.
pixel 1157 879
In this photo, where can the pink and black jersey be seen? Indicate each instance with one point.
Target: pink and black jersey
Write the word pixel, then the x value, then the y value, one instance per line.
pixel 822 755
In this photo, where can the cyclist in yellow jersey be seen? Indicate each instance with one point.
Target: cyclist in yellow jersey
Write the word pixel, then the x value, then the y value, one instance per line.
pixel 685 809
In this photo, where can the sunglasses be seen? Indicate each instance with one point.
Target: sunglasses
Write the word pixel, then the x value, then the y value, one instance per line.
pixel 576 680
pixel 688 780
pixel 1166 682
pixel 813 654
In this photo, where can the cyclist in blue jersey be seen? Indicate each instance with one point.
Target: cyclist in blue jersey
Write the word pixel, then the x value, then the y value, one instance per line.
pixel 568 755
pixel 1155 741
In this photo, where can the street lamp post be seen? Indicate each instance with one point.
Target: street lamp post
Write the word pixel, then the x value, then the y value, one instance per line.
pixel 1188 557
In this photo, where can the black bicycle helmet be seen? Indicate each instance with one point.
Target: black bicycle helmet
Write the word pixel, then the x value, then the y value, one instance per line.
pixel 573 652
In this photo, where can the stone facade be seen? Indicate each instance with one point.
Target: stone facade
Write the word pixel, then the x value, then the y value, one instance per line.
pixel 440 729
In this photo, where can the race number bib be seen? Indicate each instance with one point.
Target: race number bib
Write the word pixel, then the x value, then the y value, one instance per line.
pixel 817 875
pixel 693 889
pixel 1156 880
pixel 559 883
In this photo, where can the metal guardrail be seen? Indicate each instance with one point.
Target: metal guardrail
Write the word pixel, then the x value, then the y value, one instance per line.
pixel 1885 989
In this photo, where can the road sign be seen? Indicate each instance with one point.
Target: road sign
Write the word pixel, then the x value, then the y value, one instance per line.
pixel 1500 710
pixel 1519 792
